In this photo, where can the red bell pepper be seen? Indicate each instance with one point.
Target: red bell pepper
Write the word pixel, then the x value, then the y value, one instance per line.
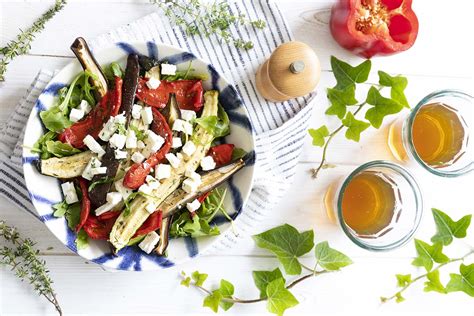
pixel 374 27
pixel 108 106
pixel 222 154
pixel 136 175
pixel 85 204
pixel 189 94
pixel 100 227
pixel 152 223
pixel 108 215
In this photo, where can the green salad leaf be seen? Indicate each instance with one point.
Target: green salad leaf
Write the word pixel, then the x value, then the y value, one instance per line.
pixel 60 209
pixel 238 153
pixel 82 240
pixel 73 215
pixel 218 126
pixel 113 70
pixel 60 149
pixel 447 228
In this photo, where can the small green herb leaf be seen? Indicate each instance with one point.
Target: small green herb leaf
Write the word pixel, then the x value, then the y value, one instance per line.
pixel 354 127
pixel 73 215
pixel 263 278
pixel 199 278
pixel 403 279
pixel 347 75
pixel 434 283
pixel 381 107
pixel 427 254
pixel 318 135
pixel 100 181
pixel 447 228
pixel 212 301
pixel 227 290
pixel 82 240
pixel 238 153
pixel 218 125
pixel 60 149
pixel 397 84
pixel 279 298
pixel 287 244
pixel 329 258
pixel 462 282
pixel 60 209
pixel 340 99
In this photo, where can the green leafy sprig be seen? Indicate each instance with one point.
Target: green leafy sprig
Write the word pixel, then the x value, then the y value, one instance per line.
pixel 23 259
pixel 22 43
pixel 342 96
pixel 288 244
pixel 206 19
pixel 428 255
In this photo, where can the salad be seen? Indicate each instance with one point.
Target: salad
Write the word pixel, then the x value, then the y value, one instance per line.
pixel 139 153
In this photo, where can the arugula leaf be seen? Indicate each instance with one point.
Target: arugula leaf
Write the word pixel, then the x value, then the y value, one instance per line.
pixel 263 278
pixel 73 215
pixel 279 298
pixel 318 135
pixel 403 279
pixel 40 145
pixel 199 278
pixel 381 107
pixel 227 290
pixel 447 228
pixel 55 120
pixel 185 225
pixel 427 254
pixel 113 70
pixel 329 258
pixel 218 125
pixel 60 209
pixel 397 85
pixel 434 283
pixel 60 149
pixel 238 153
pixel 82 240
pixel 100 181
pixel 136 240
pixel 347 75
pixel 340 99
pixel 212 301
pixel 354 127
pixel 287 244
pixel 462 282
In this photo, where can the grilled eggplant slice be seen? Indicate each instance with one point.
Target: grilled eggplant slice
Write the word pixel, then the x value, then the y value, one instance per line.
pixel 164 236
pixel 65 167
pixel 146 63
pixel 171 112
pixel 127 224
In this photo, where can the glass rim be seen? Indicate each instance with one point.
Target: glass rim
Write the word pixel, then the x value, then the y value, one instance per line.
pixel 418 207
pixel 408 139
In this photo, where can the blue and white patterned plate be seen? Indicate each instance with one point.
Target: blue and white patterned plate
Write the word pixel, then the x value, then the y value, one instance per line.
pixel 45 191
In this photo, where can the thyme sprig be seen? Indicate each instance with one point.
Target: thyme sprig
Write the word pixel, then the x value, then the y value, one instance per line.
pixel 23 259
pixel 22 43
pixel 207 19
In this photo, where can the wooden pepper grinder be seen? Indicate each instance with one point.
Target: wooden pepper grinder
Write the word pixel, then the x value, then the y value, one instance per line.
pixel 293 70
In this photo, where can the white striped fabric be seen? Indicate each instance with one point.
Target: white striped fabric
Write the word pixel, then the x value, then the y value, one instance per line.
pixel 280 127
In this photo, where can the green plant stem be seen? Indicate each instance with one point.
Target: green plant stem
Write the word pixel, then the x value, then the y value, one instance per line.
pixel 386 299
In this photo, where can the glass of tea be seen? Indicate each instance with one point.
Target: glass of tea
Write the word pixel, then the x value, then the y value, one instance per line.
pixel 378 206
pixel 436 134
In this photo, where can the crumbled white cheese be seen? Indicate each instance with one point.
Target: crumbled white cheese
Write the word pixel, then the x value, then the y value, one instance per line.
pixel 69 192
pixel 176 142
pixel 141 144
pixel 188 115
pixel 153 143
pixel 137 157
pixel 76 115
pixel 145 188
pixel 120 119
pixel 120 154
pixel 183 126
pixel 189 148
pixel 188 128
pixel 152 182
pixel 163 171
pixel 85 106
pixel 147 115
pixel 168 69
pixel 208 163
pixel 193 175
pixel 131 141
pixel 149 242
pixel 151 207
pixel 93 163
pixel 99 170
pixel 123 190
pixel 136 111
pixel 113 199
pixel 173 160
pixel 189 185
pixel 108 130
pixel 149 179
pixel 117 141
pixel 193 206
pixel 153 83
pixel 93 145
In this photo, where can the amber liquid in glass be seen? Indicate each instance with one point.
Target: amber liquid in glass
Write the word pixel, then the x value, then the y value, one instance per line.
pixel 369 203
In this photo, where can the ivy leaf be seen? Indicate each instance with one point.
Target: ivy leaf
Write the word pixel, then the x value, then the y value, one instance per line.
pixel 227 290
pixel 199 278
pixel 397 85
pixel 318 135
pixel 279 298
pixel 82 240
pixel 212 301
pixel 398 297
pixel 329 258
pixel 340 99
pixel 287 244
pixel 403 279
pixel 354 127
pixel 186 282
pixel 347 75
pixel 263 278
pixel 60 209
pixel 434 283
pixel 381 107
pixel 447 228
pixel 462 282
pixel 427 254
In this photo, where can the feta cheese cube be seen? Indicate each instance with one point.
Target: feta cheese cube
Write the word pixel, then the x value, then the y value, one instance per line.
pixel 108 130
pixel 176 142
pixel 189 185
pixel 69 192
pixel 136 111
pixel 188 128
pixel 193 175
pixel 151 207
pixel 208 163
pixel 189 148
pixel 131 141
pixel 145 188
pixel 123 190
pixel 140 144
pixel 188 115
pixel 85 106
pixel 87 173
pixel 168 69
pixel 99 170
pixel 154 185
pixel 163 171
pixel 193 206
pixel 93 145
pixel 120 118
pixel 137 157
pixel 153 143
pixel 76 115
pixel 120 154
pixel 173 160
pixel 113 199
pixel 153 83
pixel 178 125
pixel 117 141
pixel 147 115
pixel 149 242
pixel 149 179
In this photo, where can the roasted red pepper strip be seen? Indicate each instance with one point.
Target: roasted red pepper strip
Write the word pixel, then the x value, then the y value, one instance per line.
pixel 374 27
pixel 99 228
pixel 222 154
pixel 189 94
pixel 152 223
pixel 108 106
pixel 85 203
pixel 136 175
pixel 108 215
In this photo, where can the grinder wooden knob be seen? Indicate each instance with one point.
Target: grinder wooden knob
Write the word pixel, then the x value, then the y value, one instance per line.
pixel 293 70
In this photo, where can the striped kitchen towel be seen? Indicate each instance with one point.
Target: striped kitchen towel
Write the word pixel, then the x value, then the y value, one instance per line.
pixel 280 128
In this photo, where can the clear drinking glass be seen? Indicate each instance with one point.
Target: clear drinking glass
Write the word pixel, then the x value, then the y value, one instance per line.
pixel 401 213
pixel 456 128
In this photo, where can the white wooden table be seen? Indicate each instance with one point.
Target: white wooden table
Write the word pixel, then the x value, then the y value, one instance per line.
pixel 441 58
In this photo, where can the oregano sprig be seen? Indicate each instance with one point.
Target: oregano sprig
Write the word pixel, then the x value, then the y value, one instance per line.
pixel 342 97
pixel 288 244
pixel 428 255
pixel 23 259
